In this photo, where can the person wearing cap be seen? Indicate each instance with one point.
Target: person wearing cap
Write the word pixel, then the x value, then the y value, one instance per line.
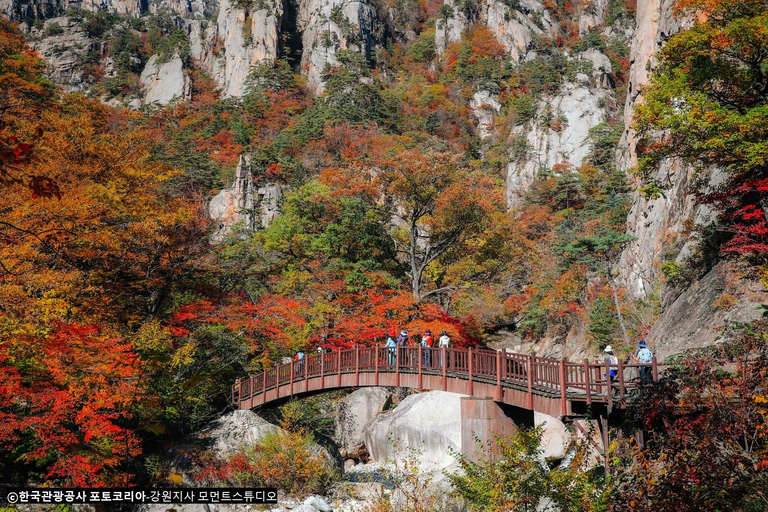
pixel 643 355
pixel 611 362
pixel 391 344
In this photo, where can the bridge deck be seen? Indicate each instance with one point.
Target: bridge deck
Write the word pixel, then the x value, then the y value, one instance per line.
pixel 550 386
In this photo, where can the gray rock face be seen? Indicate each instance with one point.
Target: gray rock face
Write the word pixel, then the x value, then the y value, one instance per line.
pixel 658 224
pixel 64 52
pixel 331 25
pixel 43 9
pixel 429 423
pixel 164 82
pixel 515 29
pixel 248 37
pixel 355 412
pixel 578 109
pixel 485 107
pixel 695 317
pixel 234 206
pixel 448 30
pixel 235 430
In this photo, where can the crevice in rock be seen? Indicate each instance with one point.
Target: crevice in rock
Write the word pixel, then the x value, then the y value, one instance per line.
pixel 291 45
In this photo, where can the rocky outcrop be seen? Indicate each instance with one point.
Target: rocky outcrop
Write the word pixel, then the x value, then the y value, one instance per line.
pixel 663 223
pixel 232 431
pixel 485 107
pixel 448 29
pixel 354 414
pixel 42 9
pixel 64 52
pixel 164 82
pixel 234 207
pixel 557 135
pixel 427 423
pixel 330 25
pixel 515 28
pixel 247 37
pixel 695 316
pixel 244 206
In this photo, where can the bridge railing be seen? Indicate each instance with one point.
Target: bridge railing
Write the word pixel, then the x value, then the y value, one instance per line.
pixel 541 374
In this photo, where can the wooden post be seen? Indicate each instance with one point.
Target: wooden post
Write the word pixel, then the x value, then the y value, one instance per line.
pixel 563 389
pixel 357 366
pixel 397 366
pixel 264 386
pixel 621 379
pixel 529 371
pixel 498 376
pixel 444 353
pixel 338 368
pixel 376 366
pixel 604 425
pixel 306 373
pixel 608 386
pixel 655 369
pixel 587 381
pixel 290 392
pixel 321 355
pixel 277 380
pixel 420 354
pixel 469 368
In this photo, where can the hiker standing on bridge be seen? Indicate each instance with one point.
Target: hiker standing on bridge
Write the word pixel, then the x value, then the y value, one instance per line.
pixel 299 362
pixel 443 342
pixel 391 344
pixel 643 355
pixel 427 343
pixel 611 367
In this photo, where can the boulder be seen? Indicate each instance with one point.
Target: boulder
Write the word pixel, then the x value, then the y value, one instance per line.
pixel 235 430
pixel 427 423
pixel 555 437
pixel 355 412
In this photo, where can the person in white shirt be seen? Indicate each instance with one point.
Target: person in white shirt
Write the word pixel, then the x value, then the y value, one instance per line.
pixel 444 341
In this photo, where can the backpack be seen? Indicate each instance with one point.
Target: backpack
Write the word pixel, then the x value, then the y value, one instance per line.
pixel 428 341
pixel 644 355
pixel 613 360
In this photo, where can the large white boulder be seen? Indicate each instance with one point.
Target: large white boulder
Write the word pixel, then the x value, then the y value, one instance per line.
pixel 354 413
pixel 235 430
pixel 555 437
pixel 427 423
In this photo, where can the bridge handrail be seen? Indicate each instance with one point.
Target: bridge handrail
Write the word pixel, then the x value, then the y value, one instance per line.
pixel 540 374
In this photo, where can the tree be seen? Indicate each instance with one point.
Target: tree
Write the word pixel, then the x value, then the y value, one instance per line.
pixel 439 207
pixel 67 395
pixel 519 479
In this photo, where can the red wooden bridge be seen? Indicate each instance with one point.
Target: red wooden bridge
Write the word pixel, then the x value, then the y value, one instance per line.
pixel 551 386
